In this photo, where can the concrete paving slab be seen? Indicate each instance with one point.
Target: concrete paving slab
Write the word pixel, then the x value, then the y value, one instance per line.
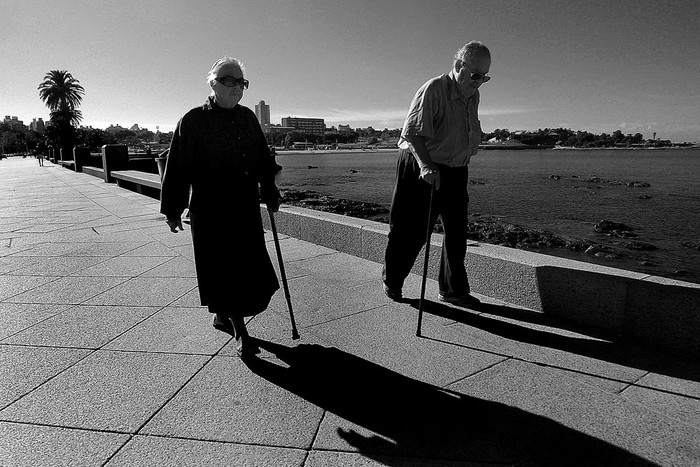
pixel 129 210
pixel 58 265
pixel 154 451
pixel 32 445
pixel 173 267
pixel 590 425
pixel 15 317
pixel 291 268
pixel 11 285
pixel 14 263
pixel 185 251
pixel 174 330
pixel 673 397
pixel 67 290
pixel 106 222
pixel 342 269
pixel 82 249
pixel 189 300
pixel 317 301
pixel 152 249
pixel 332 459
pixel 43 228
pixel 294 250
pixel 145 291
pixel 24 368
pixel 374 410
pixel 13 246
pixel 387 336
pixel 506 330
pixel 226 401
pixel 124 266
pixel 109 391
pixel 86 327
pixel 163 235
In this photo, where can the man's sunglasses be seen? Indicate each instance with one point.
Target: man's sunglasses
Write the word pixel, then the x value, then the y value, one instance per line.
pixel 231 81
pixel 477 76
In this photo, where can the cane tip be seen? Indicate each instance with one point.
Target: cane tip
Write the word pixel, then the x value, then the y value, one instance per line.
pixel 295 336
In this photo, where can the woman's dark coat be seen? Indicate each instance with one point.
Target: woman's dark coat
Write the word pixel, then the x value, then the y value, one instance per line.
pixel 223 156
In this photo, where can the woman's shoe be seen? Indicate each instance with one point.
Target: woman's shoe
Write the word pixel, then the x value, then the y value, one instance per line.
pixel 246 347
pixel 222 324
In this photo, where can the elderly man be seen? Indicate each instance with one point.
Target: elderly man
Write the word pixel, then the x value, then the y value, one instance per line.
pixel 440 135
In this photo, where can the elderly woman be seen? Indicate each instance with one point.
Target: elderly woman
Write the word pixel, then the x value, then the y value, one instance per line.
pixel 219 151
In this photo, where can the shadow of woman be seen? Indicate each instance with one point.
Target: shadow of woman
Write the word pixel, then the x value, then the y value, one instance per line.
pixel 602 346
pixel 382 413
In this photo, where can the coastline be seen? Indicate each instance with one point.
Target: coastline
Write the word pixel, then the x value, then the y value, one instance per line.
pixel 487 147
pixel 621 250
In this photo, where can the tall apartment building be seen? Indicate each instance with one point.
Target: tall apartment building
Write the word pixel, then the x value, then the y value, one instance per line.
pixel 37 125
pixel 13 122
pixel 306 125
pixel 262 111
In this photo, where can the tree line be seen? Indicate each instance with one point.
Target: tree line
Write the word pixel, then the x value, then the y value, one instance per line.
pixel 370 135
pixel 572 138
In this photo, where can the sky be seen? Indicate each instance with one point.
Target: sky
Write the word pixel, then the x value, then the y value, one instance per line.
pixel 590 65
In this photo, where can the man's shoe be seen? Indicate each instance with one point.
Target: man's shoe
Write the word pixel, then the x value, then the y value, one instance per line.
pixel 394 294
pixel 461 300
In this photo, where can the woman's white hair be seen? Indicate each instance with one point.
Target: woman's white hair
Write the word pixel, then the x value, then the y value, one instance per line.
pixel 221 62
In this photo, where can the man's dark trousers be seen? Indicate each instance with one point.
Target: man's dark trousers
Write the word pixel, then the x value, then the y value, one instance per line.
pixel 408 224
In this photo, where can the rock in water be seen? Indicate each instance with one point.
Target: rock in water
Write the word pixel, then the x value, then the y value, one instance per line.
pixel 641 246
pixel 608 226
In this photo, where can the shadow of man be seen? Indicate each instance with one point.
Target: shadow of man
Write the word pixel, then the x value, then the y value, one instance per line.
pixel 383 413
pixel 587 342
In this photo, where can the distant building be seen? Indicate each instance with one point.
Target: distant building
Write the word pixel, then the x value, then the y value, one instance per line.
pixel 37 125
pixel 114 128
pixel 305 125
pixel 344 129
pixel 13 122
pixel 262 111
pixel 279 129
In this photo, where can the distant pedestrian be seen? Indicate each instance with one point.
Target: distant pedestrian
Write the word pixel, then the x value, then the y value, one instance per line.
pixel 440 134
pixel 40 158
pixel 219 151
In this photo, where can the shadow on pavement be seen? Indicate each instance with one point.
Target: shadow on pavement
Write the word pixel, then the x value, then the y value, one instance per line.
pixel 601 346
pixel 410 418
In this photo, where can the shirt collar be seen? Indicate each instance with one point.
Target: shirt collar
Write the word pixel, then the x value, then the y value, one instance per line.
pixel 455 93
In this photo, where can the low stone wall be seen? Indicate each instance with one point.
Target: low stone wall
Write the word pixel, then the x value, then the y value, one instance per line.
pixel 659 311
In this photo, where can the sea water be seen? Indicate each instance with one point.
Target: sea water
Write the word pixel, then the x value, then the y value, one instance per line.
pixel 654 192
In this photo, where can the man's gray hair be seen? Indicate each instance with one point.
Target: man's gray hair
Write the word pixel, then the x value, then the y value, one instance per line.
pixel 472 50
pixel 221 62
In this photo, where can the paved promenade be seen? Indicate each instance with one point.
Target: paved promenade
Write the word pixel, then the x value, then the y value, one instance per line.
pixel 107 359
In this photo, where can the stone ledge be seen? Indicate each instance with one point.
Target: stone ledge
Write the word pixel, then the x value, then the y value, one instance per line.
pixel 656 310
pixel 94 171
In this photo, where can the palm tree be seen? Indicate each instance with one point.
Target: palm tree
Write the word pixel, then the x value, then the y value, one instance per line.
pixel 60 90
pixel 62 94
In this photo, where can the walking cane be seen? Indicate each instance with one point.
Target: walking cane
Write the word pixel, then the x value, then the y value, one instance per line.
pixel 295 333
pixel 425 264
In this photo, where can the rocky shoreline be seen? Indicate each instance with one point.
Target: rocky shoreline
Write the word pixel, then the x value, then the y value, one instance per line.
pixel 619 244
